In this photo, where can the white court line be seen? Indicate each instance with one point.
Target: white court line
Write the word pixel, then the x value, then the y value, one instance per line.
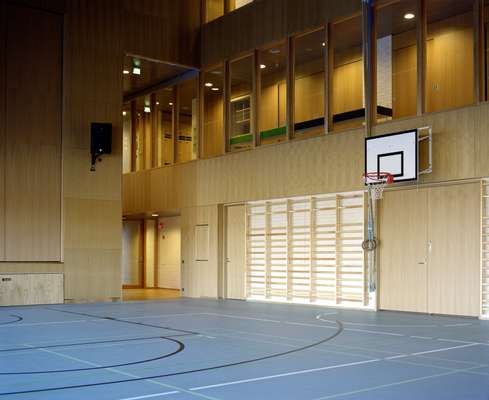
pixel 148 396
pixel 393 384
pixel 304 371
pixel 422 337
pixel 249 318
pixel 43 323
pixel 419 353
pixel 178 389
pixel 160 315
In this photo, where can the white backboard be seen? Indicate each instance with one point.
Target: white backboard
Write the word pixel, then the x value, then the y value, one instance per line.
pixel 396 153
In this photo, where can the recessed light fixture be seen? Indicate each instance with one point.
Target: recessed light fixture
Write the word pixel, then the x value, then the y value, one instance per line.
pixel 147 109
pixel 125 72
pixel 262 66
pixel 215 89
pixel 157 103
pixel 154 215
pixel 409 16
pixel 323 44
pixel 124 113
pixel 209 84
pixel 136 70
pixel 170 103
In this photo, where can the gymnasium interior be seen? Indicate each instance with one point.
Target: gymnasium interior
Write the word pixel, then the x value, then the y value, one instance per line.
pixel 244 199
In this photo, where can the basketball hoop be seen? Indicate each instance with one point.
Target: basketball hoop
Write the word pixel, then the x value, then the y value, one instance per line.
pixel 376 182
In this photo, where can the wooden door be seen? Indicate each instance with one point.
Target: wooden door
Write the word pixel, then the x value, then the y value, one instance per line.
pixel 403 249
pixel 235 252
pixel 454 259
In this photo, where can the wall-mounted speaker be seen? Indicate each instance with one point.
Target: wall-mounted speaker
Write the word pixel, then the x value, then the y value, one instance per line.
pixel 100 140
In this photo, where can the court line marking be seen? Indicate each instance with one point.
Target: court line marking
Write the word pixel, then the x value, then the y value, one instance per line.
pixel 128 374
pixel 394 384
pixel 43 323
pixel 300 372
pixel 345 329
pixel 148 396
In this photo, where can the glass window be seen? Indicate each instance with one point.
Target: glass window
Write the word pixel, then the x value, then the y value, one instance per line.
pixel 309 84
pixel 347 98
pixel 187 137
pixel 126 139
pixel 165 99
pixel 213 112
pixel 241 104
pixel 273 89
pixel 143 133
pixel 213 9
pixel 234 4
pixel 396 60
pixel 449 54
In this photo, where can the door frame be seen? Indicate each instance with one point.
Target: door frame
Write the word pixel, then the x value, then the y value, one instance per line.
pixel 223 287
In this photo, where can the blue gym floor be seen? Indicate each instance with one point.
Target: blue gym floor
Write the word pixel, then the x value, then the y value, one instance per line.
pixel 190 349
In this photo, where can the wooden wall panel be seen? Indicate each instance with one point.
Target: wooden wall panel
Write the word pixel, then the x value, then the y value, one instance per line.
pixel 199 278
pixel 33 135
pixel 403 252
pixel 454 260
pixel 404 82
pixel 3 33
pixel 266 21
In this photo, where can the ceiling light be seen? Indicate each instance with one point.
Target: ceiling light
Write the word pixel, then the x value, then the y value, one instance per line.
pixel 124 113
pixel 215 89
pixel 170 103
pixel 154 215
pixel 136 70
pixel 409 16
pixel 125 72
pixel 157 103
pixel 208 84
pixel 323 44
pixel 147 109
pixel 262 66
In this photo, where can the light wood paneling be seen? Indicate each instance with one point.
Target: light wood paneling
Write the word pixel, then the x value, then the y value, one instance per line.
pixel 199 278
pixel 3 26
pixel 236 252
pixel 132 253
pixel 169 253
pixel 149 253
pixel 33 144
pixel 450 64
pixel 403 250
pixel 134 294
pixel 26 289
pixel 404 82
pixel 213 143
pixel 454 260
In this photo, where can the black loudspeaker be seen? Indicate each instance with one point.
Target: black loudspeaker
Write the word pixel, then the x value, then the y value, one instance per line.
pixel 100 140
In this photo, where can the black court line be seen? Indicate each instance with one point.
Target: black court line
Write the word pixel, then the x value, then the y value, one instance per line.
pixel 123 320
pixel 50 389
pixel 52 346
pixel 180 348
pixel 18 318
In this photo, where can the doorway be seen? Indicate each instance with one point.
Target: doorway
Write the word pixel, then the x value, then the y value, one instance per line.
pixel 235 249
pixel 151 266
pixel 430 250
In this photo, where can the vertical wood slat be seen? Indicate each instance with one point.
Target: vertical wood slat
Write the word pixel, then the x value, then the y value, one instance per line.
pixel 479 52
pixel 328 73
pixel 289 242
pixel 312 253
pixel 154 131
pixel 268 278
pixel 484 256
pixel 226 98
pixel 255 109
pixel 368 64
pixel 176 125
pixel 337 250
